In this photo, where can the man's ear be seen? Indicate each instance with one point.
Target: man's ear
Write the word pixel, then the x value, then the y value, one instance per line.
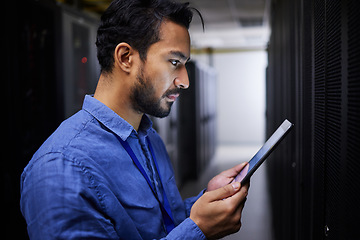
pixel 124 56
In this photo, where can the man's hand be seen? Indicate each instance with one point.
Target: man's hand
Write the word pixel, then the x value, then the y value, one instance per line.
pixel 218 213
pixel 225 177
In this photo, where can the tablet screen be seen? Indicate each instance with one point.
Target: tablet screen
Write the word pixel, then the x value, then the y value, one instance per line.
pixel 264 152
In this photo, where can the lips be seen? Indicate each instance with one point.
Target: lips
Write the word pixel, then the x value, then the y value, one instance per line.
pixel 172 97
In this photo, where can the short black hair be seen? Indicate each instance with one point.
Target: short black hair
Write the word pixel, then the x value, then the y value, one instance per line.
pixel 137 23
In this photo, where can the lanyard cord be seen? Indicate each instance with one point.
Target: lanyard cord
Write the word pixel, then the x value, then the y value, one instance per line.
pixel 165 207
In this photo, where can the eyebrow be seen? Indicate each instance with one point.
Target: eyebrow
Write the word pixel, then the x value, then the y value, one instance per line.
pixel 180 55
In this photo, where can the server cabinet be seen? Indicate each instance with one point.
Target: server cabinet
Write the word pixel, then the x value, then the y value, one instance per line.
pixel 314 80
pixel 45 44
pixel 197 121
pixel 79 69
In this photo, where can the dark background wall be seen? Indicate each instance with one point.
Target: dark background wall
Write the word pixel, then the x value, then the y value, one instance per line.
pixel 313 79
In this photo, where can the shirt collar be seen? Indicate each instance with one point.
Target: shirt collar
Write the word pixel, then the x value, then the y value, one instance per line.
pixel 112 120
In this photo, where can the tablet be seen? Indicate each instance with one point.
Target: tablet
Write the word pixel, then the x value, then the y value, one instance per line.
pixel 264 152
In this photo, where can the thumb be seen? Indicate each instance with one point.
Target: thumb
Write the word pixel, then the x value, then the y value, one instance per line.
pixel 224 192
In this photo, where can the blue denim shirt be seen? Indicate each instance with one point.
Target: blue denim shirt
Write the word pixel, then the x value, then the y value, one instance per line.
pixel 82 184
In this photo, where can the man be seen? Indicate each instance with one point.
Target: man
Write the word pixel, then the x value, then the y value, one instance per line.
pixel 104 173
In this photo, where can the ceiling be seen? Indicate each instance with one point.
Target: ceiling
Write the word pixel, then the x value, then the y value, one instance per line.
pixel 229 24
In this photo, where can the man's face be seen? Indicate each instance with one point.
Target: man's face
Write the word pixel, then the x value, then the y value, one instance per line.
pixel 163 74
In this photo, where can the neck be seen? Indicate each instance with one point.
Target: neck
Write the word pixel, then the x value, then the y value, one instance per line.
pixel 117 99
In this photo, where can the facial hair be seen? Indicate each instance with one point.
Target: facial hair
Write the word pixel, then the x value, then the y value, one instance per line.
pixel 143 97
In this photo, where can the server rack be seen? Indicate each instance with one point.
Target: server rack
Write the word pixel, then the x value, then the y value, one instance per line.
pixel 313 79
pixel 43 44
pixel 78 69
pixel 197 121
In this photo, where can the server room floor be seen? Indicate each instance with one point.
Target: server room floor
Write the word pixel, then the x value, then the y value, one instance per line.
pixel 256 219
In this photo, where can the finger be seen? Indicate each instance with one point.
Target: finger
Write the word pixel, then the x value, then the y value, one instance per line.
pixel 223 192
pixel 239 197
pixel 232 172
pixel 242 205
pixel 247 185
pixel 239 209
pixel 240 167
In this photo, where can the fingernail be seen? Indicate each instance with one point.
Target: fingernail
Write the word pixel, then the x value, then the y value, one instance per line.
pixel 236 185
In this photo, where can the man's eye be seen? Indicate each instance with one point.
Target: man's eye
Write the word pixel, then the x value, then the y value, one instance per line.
pixel 175 62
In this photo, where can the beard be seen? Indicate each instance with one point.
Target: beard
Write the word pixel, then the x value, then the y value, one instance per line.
pixel 144 100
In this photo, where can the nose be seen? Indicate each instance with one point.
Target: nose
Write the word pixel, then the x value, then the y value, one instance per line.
pixel 182 80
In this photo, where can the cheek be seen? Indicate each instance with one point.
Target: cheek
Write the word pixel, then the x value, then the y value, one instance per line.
pixel 162 82
pixel 161 74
